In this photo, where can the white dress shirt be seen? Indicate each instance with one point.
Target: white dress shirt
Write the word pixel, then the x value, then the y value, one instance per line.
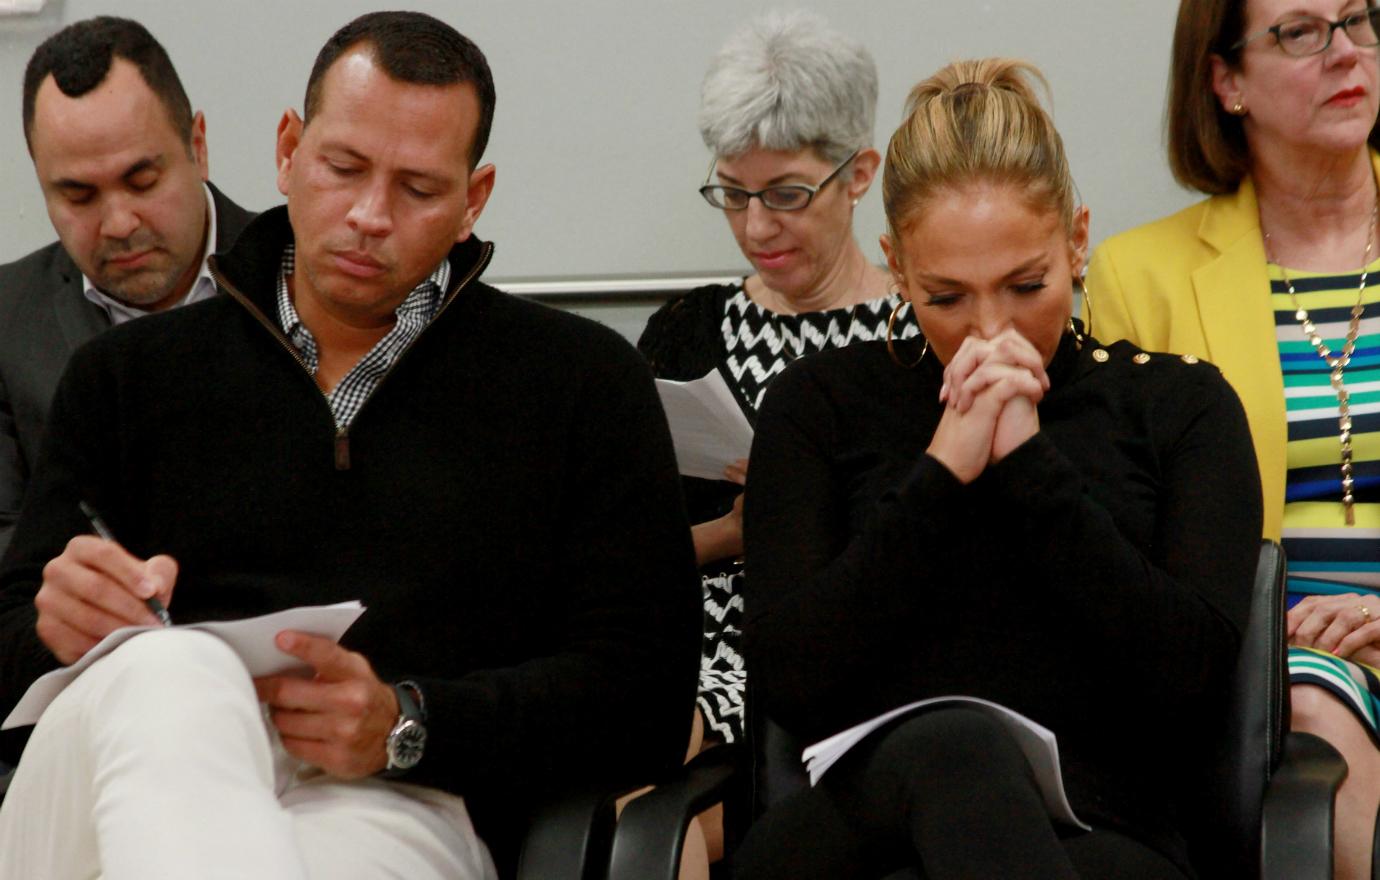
pixel 204 287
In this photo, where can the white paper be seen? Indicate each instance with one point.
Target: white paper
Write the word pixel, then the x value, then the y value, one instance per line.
pixel 708 427
pixel 1036 741
pixel 251 638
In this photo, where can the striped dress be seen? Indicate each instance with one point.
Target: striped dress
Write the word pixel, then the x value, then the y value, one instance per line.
pixel 1325 555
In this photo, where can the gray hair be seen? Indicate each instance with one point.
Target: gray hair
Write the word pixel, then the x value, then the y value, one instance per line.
pixel 786 82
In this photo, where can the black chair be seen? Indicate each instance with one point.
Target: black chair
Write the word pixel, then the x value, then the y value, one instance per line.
pixel 569 839
pixel 1270 800
pixel 1267 807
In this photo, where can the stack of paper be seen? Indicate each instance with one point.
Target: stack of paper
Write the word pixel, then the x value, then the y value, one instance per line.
pixel 252 639
pixel 1036 742
pixel 708 427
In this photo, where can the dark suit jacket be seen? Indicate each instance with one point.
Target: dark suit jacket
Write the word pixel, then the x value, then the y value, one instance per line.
pixel 44 317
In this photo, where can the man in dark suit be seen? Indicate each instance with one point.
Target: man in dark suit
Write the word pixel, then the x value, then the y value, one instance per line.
pixel 121 159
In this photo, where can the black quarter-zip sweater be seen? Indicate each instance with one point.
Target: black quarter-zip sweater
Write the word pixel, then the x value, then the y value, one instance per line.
pixel 505 504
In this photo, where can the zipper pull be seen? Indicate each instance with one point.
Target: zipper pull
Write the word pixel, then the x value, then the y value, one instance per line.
pixel 342 449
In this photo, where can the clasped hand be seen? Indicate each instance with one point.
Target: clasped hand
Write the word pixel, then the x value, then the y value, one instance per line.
pixel 990 392
pixel 338 719
pixel 1347 625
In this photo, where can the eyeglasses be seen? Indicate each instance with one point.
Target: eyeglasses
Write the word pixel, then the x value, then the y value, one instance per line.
pixel 786 197
pixel 1309 34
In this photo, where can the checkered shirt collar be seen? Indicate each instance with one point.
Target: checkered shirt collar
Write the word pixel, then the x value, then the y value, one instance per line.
pixel 413 314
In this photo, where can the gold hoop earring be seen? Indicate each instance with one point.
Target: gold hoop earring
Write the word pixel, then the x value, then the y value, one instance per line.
pixel 890 345
pixel 1087 303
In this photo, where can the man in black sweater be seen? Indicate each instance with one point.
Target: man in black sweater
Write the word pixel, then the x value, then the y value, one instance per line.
pixel 361 418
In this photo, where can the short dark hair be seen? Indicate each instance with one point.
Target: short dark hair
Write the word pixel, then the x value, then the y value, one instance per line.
pixel 412 47
pixel 79 58
pixel 1207 145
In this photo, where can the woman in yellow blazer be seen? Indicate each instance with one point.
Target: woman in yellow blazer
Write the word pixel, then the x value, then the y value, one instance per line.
pixel 1190 283
pixel 1272 112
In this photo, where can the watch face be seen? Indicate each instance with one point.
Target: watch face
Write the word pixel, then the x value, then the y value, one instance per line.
pixel 405 744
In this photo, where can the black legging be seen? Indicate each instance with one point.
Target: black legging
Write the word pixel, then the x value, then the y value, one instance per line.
pixel 948 791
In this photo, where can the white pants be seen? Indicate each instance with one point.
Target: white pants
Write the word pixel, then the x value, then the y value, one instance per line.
pixel 157 763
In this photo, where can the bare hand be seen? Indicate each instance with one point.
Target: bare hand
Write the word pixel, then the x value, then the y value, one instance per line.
pixel 94 588
pixel 1005 378
pixel 338 720
pixel 1336 624
pixel 1362 646
pixel 732 522
pixel 964 440
pixel 722 538
pixel 1018 422
pixel 1008 347
pixel 737 472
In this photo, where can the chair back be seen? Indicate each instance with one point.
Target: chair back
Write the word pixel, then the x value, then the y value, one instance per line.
pixel 776 766
pixel 1248 743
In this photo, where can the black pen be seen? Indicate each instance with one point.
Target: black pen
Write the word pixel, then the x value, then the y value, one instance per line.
pixel 104 531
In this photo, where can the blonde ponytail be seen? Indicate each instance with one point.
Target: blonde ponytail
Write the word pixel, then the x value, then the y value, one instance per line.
pixel 976 122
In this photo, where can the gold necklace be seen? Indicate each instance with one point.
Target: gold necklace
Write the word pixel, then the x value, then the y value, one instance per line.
pixel 1337 364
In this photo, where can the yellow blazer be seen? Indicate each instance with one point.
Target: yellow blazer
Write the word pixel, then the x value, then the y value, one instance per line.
pixel 1196 283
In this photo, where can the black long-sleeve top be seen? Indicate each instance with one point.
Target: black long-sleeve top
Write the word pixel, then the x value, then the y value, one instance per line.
pixel 505 504
pixel 1095 580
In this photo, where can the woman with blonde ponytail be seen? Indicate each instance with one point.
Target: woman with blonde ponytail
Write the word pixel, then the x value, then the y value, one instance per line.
pixel 1000 508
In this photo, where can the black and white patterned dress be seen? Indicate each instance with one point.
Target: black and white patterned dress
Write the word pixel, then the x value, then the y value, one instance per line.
pixel 720 327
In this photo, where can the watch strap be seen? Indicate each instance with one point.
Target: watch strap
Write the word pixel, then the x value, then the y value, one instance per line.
pixel 408 735
pixel 414 691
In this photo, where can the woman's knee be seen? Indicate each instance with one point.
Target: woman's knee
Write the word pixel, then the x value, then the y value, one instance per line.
pixel 948 740
pixel 1314 709
pixel 940 757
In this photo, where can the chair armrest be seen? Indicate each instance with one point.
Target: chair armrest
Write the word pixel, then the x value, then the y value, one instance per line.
pixel 650 834
pixel 1296 833
pixel 569 838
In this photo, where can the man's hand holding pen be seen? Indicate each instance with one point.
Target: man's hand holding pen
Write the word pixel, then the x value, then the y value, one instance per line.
pixel 94 588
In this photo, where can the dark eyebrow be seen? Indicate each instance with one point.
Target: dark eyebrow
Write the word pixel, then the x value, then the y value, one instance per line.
pixel 1295 14
pixel 341 148
pixel 440 179
pixel 154 163
pixel 70 184
pixel 1027 266
pixel 150 162
pixel 778 180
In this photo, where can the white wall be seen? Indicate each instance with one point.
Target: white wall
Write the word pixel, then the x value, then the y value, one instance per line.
pixel 597 152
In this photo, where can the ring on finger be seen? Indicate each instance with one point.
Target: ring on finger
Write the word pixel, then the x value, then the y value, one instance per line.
pixel 1365 612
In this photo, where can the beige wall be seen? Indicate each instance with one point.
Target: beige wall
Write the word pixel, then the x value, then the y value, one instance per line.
pixel 597 153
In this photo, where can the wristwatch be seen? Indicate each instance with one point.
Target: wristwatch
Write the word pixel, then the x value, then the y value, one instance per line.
pixel 407 739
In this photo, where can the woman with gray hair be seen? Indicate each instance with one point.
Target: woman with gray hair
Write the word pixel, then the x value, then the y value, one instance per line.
pixel 787 109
